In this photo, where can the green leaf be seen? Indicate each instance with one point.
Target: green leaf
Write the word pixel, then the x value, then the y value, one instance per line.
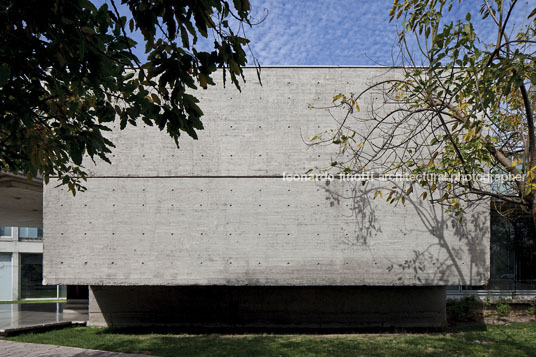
pixel 467 29
pixel 337 97
pixel 155 98
pixel 5 72
pixel 74 64
pixel 87 30
pixel 76 154
pixel 184 38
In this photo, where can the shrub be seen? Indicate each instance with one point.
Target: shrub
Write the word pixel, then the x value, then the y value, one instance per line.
pixel 486 302
pixel 532 309
pixel 465 309
pixel 503 307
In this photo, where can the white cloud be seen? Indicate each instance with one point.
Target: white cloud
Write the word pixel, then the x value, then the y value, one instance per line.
pixel 337 32
pixel 343 32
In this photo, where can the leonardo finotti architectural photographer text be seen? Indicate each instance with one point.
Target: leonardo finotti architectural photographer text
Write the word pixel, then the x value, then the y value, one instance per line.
pixel 371 176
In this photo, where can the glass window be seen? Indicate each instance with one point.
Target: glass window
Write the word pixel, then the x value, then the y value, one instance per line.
pixel 5 231
pixel 32 278
pixel 512 253
pixel 30 233
pixel 502 248
pixel 62 291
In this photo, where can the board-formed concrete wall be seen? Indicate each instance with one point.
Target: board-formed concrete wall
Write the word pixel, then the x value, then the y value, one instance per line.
pixel 217 211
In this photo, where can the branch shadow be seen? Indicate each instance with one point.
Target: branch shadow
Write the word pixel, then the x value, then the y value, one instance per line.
pixel 458 250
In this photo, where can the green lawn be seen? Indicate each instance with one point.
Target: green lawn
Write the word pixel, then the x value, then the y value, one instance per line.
pixel 516 339
pixel 30 301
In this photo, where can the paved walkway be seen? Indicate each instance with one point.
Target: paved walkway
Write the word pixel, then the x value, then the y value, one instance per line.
pixel 21 349
pixel 14 316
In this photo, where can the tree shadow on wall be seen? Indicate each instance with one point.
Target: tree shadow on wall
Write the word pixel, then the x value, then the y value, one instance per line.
pixel 360 211
pixel 457 248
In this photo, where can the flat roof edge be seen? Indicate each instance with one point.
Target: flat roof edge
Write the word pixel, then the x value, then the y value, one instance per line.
pixel 325 66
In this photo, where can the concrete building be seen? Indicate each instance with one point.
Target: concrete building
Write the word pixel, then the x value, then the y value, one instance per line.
pixel 211 235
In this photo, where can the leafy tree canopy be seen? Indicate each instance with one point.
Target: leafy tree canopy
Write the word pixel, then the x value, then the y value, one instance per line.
pixel 67 69
pixel 460 105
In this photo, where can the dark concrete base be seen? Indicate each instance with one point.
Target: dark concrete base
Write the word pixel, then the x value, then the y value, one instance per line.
pixel 268 307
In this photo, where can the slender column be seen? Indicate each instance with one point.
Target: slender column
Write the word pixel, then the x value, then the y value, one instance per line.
pixel 15 281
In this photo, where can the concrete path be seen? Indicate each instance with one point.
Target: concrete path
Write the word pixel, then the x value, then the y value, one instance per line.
pixel 20 317
pixel 21 349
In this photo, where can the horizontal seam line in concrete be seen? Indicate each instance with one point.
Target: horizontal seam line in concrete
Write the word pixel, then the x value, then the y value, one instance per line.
pixel 180 176
pixel 320 176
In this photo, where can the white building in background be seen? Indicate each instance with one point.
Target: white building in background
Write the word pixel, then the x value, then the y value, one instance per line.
pixel 21 265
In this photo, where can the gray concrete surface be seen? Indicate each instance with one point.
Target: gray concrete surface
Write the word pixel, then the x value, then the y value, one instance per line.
pixel 22 201
pixel 217 211
pixel 23 316
pixel 268 307
pixel 20 349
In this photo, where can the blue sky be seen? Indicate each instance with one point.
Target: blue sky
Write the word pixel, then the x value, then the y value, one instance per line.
pixel 322 32
pixel 339 32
